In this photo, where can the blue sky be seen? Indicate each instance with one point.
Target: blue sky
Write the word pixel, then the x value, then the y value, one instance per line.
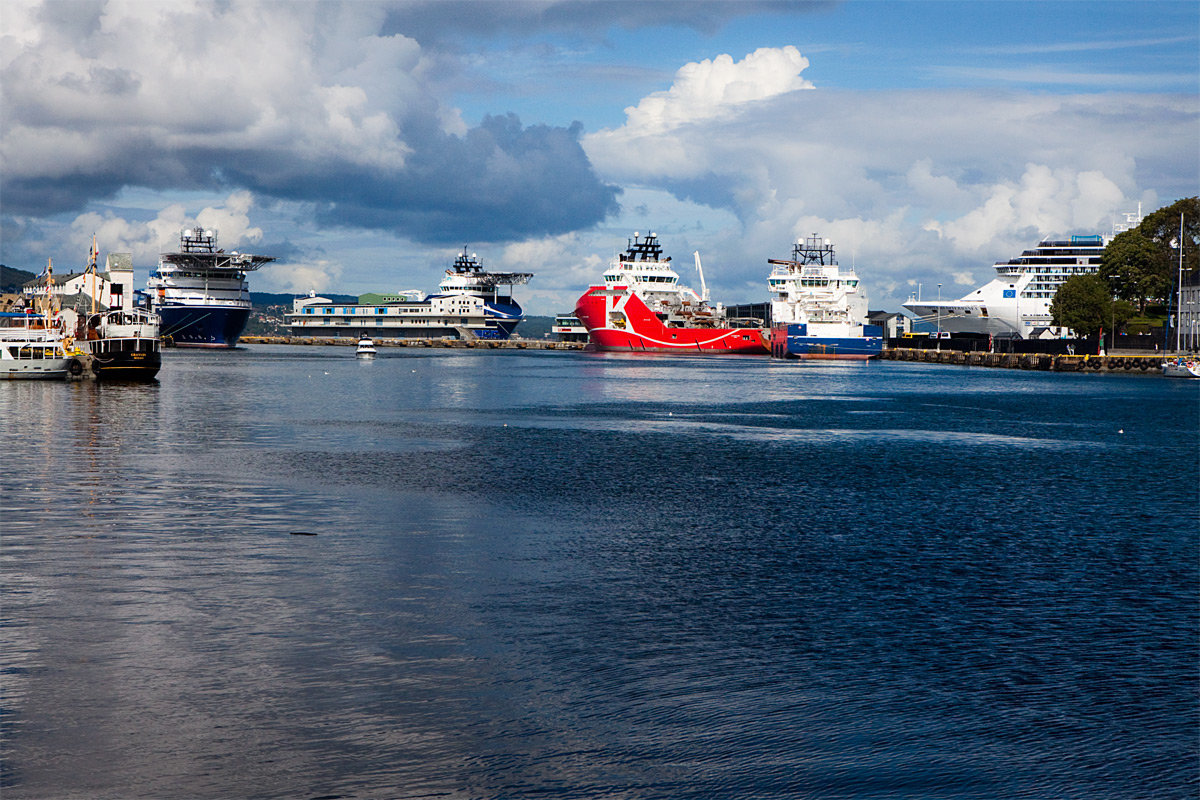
pixel 364 142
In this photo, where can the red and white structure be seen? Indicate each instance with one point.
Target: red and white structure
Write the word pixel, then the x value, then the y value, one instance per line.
pixel 642 307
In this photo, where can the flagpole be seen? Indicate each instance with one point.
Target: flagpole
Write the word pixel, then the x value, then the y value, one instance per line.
pixel 94 253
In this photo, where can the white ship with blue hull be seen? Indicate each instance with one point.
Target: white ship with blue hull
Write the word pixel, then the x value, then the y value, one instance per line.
pixel 470 304
pixel 201 292
pixel 820 309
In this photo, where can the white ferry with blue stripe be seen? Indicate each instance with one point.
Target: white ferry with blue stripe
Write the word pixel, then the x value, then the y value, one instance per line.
pixel 820 309
pixel 471 303
pixel 201 292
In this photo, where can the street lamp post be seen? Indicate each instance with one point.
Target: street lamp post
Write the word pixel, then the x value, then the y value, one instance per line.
pixel 1112 307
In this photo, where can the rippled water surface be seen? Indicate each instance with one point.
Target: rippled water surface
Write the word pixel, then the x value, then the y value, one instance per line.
pixel 281 572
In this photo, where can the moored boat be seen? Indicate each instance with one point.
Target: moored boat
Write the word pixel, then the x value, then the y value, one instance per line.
pixel 1181 368
pixel 470 304
pixel 32 347
pixel 642 307
pixel 33 342
pixel 123 340
pixel 1016 303
pixel 820 309
pixel 123 344
pixel 201 293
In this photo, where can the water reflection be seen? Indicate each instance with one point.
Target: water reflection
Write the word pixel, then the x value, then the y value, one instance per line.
pixel 554 574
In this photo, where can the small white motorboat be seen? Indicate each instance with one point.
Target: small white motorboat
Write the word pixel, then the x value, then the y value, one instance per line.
pixel 366 347
pixel 1181 368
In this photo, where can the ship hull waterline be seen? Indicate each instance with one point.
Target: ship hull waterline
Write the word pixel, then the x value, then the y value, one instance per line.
pixel 202 326
pixel 788 341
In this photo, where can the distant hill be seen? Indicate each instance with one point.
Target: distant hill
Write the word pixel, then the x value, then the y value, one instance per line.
pixel 11 280
pixel 264 299
pixel 535 327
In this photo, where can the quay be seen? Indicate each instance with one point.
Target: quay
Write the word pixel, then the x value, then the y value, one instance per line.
pixel 462 344
pixel 1125 364
pixel 1119 363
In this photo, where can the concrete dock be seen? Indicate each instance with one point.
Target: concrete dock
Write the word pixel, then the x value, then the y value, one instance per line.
pixel 1124 364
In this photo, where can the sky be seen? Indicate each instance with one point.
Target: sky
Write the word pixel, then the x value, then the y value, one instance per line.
pixel 365 143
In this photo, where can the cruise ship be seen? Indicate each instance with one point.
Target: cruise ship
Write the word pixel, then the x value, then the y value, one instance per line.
pixel 1016 303
pixel 820 309
pixel 201 292
pixel 470 304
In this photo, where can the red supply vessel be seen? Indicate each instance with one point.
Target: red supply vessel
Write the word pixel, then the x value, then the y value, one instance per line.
pixel 642 307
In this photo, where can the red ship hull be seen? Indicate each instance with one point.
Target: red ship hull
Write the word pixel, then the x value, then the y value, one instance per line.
pixel 618 320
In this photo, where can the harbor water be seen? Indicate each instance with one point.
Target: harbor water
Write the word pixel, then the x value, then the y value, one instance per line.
pixel 283 572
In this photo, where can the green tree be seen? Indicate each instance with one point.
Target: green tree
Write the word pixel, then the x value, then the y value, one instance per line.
pixel 1162 228
pixel 1136 268
pixel 1083 303
pixel 1142 264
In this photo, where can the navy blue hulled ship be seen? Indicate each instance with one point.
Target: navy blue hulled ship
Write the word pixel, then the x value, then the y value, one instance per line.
pixel 201 292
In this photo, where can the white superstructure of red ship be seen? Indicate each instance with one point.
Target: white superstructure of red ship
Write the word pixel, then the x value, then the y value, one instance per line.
pixel 641 306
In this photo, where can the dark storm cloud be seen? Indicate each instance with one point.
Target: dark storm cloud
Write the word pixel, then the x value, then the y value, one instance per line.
pixel 440 20
pixel 103 96
pixel 499 182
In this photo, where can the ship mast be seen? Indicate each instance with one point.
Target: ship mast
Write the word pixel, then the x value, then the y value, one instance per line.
pixel 93 254
pixel 49 292
pixel 1179 291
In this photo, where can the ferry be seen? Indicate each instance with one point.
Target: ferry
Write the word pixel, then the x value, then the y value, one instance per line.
pixel 1016 303
pixel 33 347
pixel 123 338
pixel 33 343
pixel 469 304
pixel 642 307
pixel 123 343
pixel 819 310
pixel 201 293
pixel 568 328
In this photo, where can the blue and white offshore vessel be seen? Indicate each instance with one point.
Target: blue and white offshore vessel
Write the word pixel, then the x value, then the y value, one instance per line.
pixel 819 310
pixel 201 292
pixel 469 304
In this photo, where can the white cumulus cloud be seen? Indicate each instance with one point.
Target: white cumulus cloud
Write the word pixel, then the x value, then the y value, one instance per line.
pixel 706 89
pixel 915 186
pixel 146 240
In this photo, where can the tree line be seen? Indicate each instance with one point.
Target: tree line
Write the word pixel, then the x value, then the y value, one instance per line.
pixel 1139 269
